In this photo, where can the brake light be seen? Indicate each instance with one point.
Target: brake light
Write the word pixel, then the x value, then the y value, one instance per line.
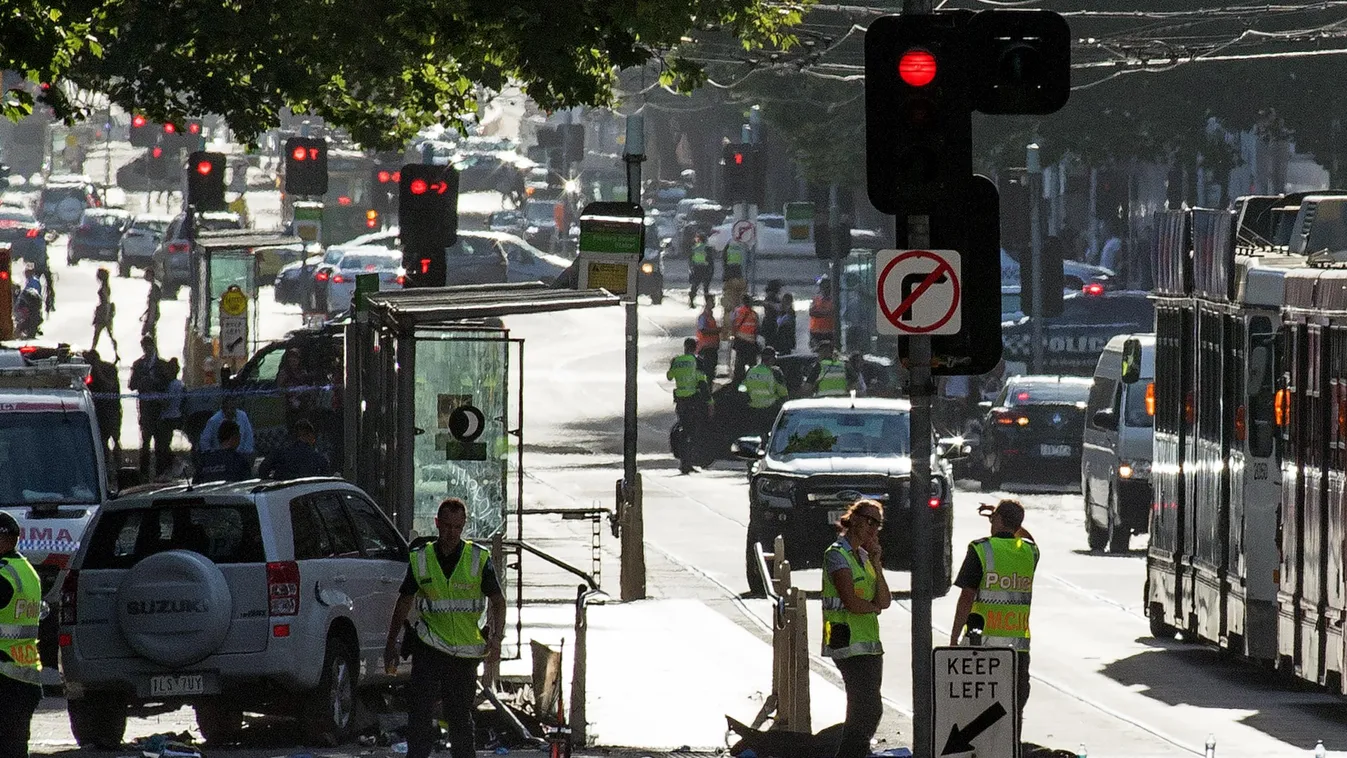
pixel 401 280
pixel 69 591
pixel 32 232
pixel 1150 399
pixel 1007 418
pixel 1022 397
pixel 179 247
pixel 1022 421
pixel 89 380
pixel 27 350
pixel 343 200
pixel 321 276
pixel 283 588
pixel 338 279
pixel 1093 289
pixel 934 502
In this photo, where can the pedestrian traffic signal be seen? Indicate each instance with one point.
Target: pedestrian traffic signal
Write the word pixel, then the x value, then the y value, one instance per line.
pixel 427 221
pixel 743 180
pixel 918 115
pixel 384 189
pixel 306 166
pixel 205 181
pixel 142 132
pixel 1021 61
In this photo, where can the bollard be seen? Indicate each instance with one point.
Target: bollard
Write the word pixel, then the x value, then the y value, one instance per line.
pixel 790 648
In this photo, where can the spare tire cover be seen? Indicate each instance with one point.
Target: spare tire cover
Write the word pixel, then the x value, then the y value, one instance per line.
pixel 69 209
pixel 175 608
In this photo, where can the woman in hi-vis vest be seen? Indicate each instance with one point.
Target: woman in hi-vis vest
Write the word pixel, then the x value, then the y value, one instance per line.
pixel 854 594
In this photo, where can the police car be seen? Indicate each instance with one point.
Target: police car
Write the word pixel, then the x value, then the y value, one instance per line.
pixel 54 475
pixel 1073 340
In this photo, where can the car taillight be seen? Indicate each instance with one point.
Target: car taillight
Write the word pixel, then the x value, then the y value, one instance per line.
pixel 1009 418
pixel 32 233
pixel 401 280
pixel 1093 289
pixel 283 588
pixel 321 276
pixel 179 247
pixel 338 278
pixel 69 591
pixel 27 350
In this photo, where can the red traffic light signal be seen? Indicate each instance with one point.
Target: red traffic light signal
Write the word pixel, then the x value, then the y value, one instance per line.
pixel 417 187
pixel 203 167
pixel 917 68
pixel 170 129
pixel 137 121
pixel 384 177
pixel 193 127
pixel 156 152
pixel 306 166
pixel 738 159
pixel 205 181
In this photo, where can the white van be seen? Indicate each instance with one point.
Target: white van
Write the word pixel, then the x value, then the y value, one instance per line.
pixel 1115 464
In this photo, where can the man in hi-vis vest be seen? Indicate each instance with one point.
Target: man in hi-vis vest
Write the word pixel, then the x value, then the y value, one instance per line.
pixel 20 667
pixel 453 583
pixel 997 583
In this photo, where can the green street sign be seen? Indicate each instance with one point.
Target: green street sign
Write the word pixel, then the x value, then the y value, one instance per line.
pixel 799 222
pixel 612 228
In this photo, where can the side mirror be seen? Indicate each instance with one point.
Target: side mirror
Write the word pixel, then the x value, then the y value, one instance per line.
pixel 1105 419
pixel 1131 360
pixel 747 448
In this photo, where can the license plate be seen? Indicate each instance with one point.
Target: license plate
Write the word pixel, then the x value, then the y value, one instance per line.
pixel 175 685
pixel 835 516
pixel 1054 451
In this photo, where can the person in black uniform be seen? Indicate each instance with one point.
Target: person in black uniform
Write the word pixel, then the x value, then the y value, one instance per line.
pixel 225 463
pixel 300 459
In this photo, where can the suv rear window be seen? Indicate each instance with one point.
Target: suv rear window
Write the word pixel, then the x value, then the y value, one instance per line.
pixel 222 533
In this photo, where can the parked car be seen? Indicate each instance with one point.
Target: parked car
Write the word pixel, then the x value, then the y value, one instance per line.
pixel 231 597
pixel 296 281
pixel 526 262
pixel 355 260
pixel 542 231
pixel 1073 341
pixel 1031 432
pixel 63 200
pixel 1115 470
pixel 139 242
pixel 477 257
pixel 98 236
pixel 25 235
pixel 270 260
pixel 509 221
pixel 173 257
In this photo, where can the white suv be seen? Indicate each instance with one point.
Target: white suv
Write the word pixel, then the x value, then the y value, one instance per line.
pixel 269 597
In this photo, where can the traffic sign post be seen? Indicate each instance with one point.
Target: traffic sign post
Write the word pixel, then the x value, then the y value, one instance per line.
pixel 611 246
pixel 919 292
pixel 975 704
pixel 233 324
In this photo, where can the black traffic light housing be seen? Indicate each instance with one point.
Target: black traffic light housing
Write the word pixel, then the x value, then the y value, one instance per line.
pixel 918 114
pixel 384 182
pixel 1051 279
pixel 143 133
pixel 427 221
pixel 205 181
pixel 744 177
pixel 1021 61
pixel 306 166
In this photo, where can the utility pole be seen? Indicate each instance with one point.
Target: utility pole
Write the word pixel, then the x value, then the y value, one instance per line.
pixel 630 504
pixel 1034 173
pixel 840 249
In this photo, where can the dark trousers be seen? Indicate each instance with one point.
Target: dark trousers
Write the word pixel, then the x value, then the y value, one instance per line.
pixel 732 271
pixel 453 682
pixel 745 355
pixel 862 675
pixel 698 276
pixel 1022 685
pixel 18 700
pixel 707 359
pixel 161 436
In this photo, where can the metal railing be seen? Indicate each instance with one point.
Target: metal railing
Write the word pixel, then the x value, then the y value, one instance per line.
pixel 789 703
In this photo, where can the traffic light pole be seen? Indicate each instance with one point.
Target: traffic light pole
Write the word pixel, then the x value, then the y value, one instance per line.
pixel 839 254
pixel 1035 175
pixel 630 515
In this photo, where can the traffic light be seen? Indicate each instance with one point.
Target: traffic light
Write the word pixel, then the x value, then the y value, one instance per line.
pixel 1021 61
pixel 972 229
pixel 832 242
pixel 205 181
pixel 143 133
pixel 6 295
pixel 1051 279
pixel 573 142
pixel 549 137
pixel 384 189
pixel 918 114
pixel 306 166
pixel 743 179
pixel 427 221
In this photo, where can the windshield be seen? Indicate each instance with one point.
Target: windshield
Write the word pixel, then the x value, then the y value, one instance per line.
pixel 540 213
pixel 153 226
pixel 1136 414
pixel 369 262
pixel 841 432
pixel 1071 392
pixel 29 442
pixel 16 215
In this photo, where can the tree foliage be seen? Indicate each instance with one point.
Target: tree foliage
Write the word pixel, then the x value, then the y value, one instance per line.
pixel 379 68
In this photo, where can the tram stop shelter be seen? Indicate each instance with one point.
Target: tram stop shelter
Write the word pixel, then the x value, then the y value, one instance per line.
pixel 434 400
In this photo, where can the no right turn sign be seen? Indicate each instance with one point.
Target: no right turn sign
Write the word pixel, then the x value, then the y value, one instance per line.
pixel 919 292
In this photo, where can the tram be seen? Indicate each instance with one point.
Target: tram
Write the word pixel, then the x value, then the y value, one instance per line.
pixel 1249 514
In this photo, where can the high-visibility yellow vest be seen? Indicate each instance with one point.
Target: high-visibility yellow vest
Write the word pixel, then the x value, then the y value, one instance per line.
pixel 832 379
pixel 451 606
pixel 19 621
pixel 863 628
pixel 1006 590
pixel 762 387
pixel 686 375
pixel 734 254
pixel 700 254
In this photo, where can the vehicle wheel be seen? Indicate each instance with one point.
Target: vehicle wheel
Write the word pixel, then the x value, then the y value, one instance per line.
pixel 328 711
pixel 98 722
pixel 1097 537
pixel 755 586
pixel 1159 629
pixel 219 722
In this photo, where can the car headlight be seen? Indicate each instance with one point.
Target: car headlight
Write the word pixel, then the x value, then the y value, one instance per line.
pixel 532 230
pixel 647 268
pixel 768 486
pixel 1134 470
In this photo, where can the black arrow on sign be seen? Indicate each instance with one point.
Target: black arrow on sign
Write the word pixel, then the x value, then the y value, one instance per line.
pixel 960 740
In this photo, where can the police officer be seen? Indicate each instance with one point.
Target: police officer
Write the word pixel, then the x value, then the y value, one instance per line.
pixel 855 592
pixel 831 377
pixel 997 583
pixel 744 327
pixel 20 667
pixel 692 392
pixel 734 260
pixel 766 388
pixel 822 314
pixel 708 338
pixel 452 581
pixel 700 269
